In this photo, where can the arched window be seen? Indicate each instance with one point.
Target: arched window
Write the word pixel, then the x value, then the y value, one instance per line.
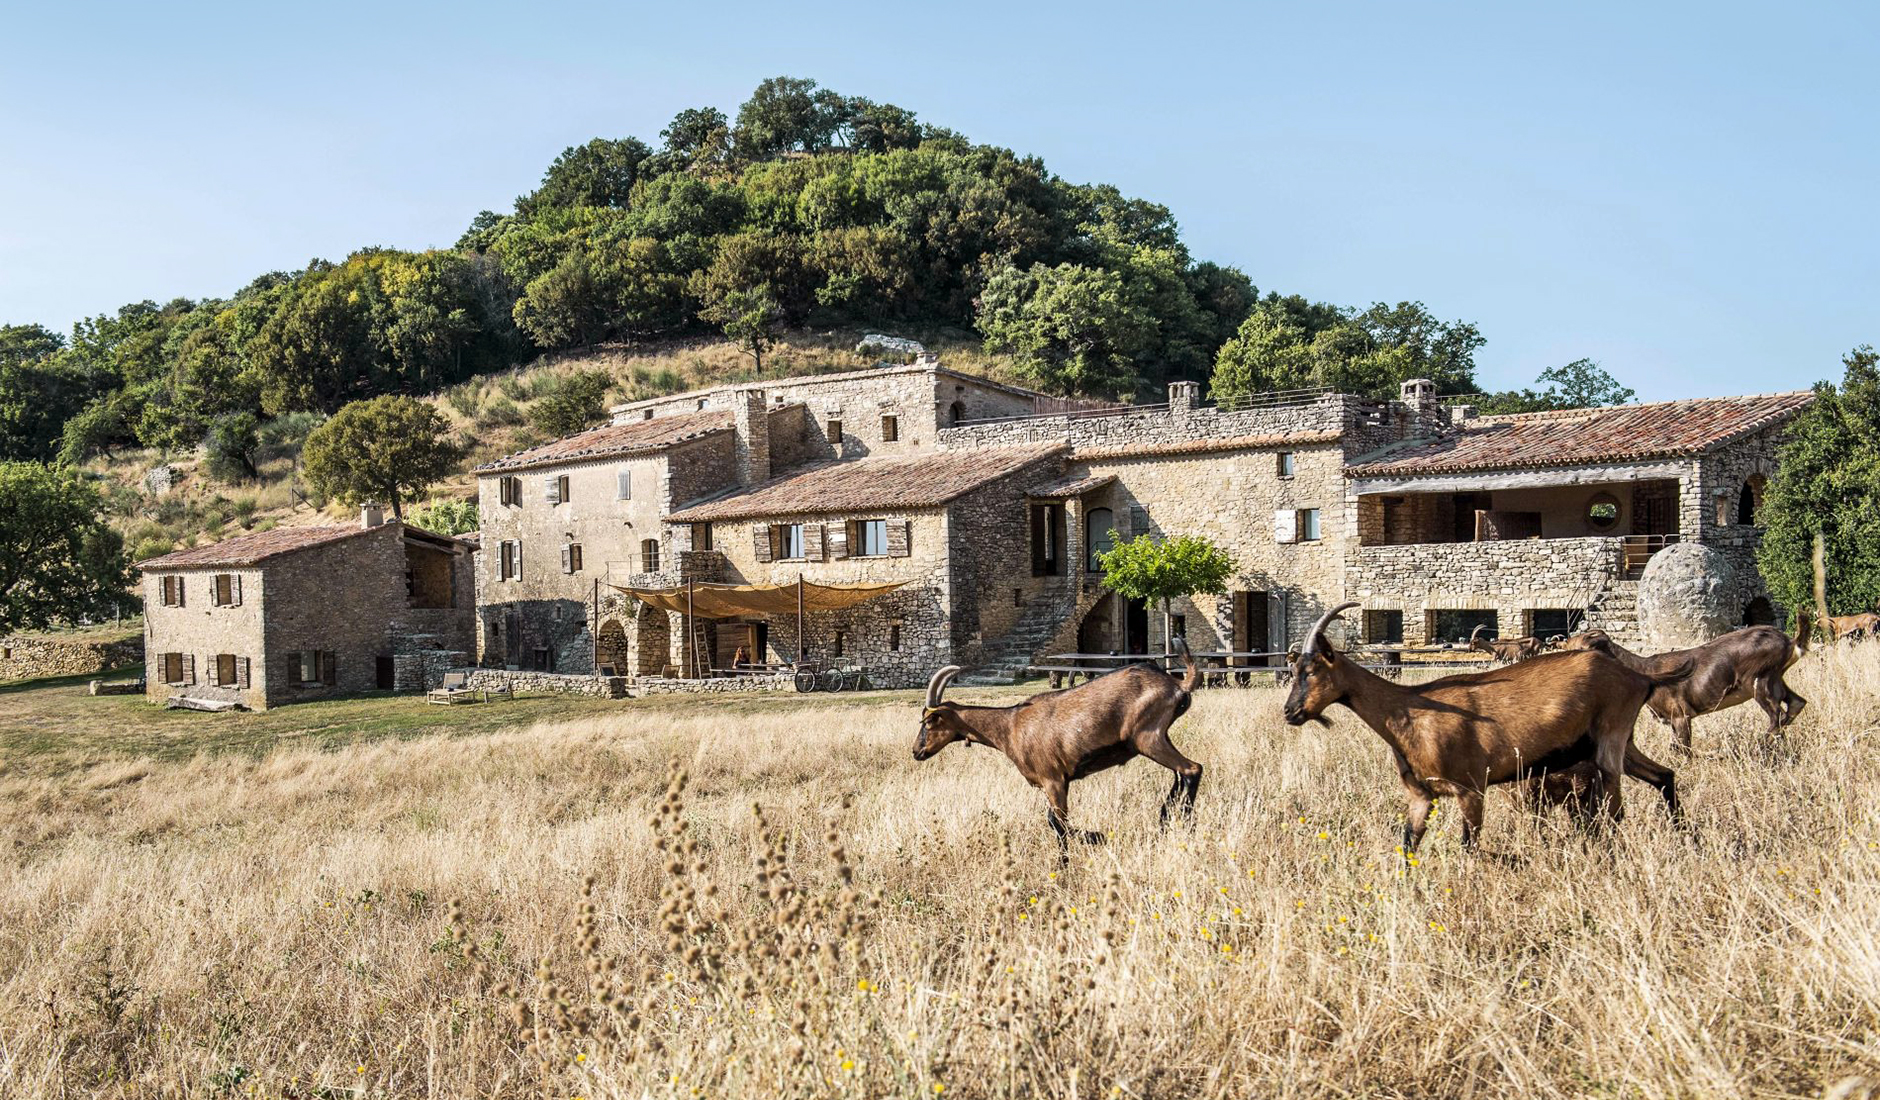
pixel 649 556
pixel 1099 535
pixel 956 412
pixel 1749 501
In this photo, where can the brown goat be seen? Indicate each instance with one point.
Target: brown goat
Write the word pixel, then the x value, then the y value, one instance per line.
pixel 1734 668
pixel 1057 736
pixel 1853 627
pixel 1507 652
pixel 1462 734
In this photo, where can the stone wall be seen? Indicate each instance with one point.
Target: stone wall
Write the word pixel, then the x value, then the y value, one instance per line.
pixel 339 597
pixel 32 657
pixel 990 561
pixel 724 685
pixel 921 397
pixel 1509 578
pixel 1720 479
pixel 553 683
pixel 200 630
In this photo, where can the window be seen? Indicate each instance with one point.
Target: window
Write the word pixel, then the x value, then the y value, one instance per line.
pixel 649 555
pixel 701 404
pixel 1749 501
pixel 172 667
pixel 509 491
pixel 555 489
pixel 868 538
pixel 225 670
pixel 1602 512
pixel 1284 465
pixel 701 536
pixel 1383 627
pixel 623 485
pixel 1545 622
pixel 956 412
pixel 544 659
pixel 313 666
pixel 1178 627
pixel 228 589
pixel 646 415
pixel 172 591
pixel 571 558
pixel 894 637
pixel 786 540
pixel 835 643
pixel 890 429
pixel 1456 626
pixel 1018 597
pixel 1308 524
pixel 1099 535
pixel 1047 539
pixel 509 560
pixel 835 433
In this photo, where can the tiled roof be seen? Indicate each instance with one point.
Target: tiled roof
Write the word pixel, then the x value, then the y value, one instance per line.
pixel 914 481
pixel 1204 446
pixel 614 441
pixel 1575 437
pixel 258 547
pixel 1076 486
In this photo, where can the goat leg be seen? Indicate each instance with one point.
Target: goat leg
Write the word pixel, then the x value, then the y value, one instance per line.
pixel 1471 805
pixel 1416 818
pixel 1181 794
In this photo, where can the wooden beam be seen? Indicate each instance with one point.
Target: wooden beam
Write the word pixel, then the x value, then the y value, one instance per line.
pixel 1521 479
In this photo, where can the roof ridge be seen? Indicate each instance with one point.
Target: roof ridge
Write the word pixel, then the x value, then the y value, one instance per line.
pixel 1593 410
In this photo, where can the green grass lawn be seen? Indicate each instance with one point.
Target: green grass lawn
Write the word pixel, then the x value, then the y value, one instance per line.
pixel 52 726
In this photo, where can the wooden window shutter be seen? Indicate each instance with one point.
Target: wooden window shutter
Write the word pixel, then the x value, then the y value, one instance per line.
pixel 293 667
pixel 840 536
pixel 551 489
pixel 215 672
pixel 760 533
pixel 329 668
pixel 625 482
pixel 567 559
pixel 179 592
pixel 189 668
pixel 242 672
pixel 1286 525
pixel 235 589
pixel 900 538
pixel 813 542
pixel 516 558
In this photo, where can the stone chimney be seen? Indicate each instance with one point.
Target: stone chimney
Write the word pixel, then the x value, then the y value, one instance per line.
pixel 751 427
pixel 371 515
pixel 1184 395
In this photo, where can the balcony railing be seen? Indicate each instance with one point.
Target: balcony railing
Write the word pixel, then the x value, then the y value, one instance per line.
pixel 1636 550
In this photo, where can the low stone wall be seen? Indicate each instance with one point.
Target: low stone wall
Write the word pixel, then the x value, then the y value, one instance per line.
pixel 659 685
pixel 1507 577
pixel 557 683
pixel 31 658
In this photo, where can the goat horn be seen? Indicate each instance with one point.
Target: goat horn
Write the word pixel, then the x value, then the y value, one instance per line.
pixel 1479 627
pixel 1311 644
pixel 939 684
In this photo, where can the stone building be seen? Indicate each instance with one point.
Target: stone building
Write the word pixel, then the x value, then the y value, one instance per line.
pixel 567 524
pixel 988 504
pixel 303 612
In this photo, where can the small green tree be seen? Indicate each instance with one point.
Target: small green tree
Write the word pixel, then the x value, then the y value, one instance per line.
pixel 59 560
pixel 1161 571
pixel 446 517
pixel 578 401
pixel 751 319
pixel 388 449
pixel 1828 483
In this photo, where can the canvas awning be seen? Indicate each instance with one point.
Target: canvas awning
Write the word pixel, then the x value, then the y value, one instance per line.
pixel 724 601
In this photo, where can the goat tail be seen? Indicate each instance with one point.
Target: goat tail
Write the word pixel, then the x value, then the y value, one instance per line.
pixel 1193 679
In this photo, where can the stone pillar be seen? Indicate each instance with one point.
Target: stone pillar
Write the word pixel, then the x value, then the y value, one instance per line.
pixel 1183 399
pixel 1419 396
pixel 751 426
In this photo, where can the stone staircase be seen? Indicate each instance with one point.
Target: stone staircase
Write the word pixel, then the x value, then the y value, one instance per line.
pixel 1006 658
pixel 1615 609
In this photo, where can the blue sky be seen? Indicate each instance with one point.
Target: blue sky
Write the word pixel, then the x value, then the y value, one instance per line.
pixel 1683 192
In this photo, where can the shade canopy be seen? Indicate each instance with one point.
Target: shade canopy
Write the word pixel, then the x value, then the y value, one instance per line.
pixel 724 601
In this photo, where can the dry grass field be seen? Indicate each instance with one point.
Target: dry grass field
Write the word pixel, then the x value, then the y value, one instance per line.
pixel 530 911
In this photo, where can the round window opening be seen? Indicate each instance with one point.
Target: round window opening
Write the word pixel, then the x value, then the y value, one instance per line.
pixel 1602 512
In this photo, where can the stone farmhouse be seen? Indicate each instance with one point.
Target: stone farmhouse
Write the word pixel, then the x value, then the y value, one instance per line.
pixel 298 613
pixel 984 505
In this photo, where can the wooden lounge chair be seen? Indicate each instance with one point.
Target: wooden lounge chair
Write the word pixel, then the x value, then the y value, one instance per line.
pixel 454 689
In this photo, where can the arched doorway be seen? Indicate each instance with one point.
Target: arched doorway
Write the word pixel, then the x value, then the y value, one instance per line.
pixel 1749 500
pixel 1759 612
pixel 610 648
pixel 1096 633
pixel 653 636
pixel 956 412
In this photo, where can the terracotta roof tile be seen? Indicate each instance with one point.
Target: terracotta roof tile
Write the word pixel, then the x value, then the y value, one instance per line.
pixel 258 547
pixel 912 481
pixel 1203 446
pixel 1072 487
pixel 1578 436
pixel 614 441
